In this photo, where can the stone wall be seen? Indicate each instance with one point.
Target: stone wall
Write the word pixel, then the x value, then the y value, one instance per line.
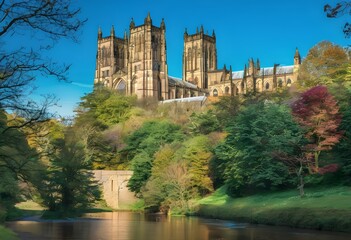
pixel 114 188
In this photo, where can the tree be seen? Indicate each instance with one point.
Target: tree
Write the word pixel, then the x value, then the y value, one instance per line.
pixel 19 67
pixel 142 144
pixel 318 112
pixel 18 164
pixel 254 136
pixel 340 9
pixel 69 187
pixel 197 155
pixel 226 108
pixel 204 123
pixel 324 64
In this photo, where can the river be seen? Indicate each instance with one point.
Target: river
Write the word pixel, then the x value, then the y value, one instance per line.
pixel 135 226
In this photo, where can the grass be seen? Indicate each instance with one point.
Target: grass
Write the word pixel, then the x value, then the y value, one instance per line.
pixel 321 208
pixel 7 234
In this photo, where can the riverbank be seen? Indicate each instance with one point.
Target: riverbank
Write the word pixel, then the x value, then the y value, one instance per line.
pixel 321 208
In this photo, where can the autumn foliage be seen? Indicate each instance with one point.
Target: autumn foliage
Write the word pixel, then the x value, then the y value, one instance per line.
pixel 317 111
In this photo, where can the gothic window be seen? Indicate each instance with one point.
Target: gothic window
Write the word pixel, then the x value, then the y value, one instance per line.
pixel 267 86
pixel 280 82
pixel 288 83
pixel 121 87
pixel 215 93
pixel 189 58
pixel 226 90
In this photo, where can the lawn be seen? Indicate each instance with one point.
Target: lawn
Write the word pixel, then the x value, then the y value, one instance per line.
pixel 321 208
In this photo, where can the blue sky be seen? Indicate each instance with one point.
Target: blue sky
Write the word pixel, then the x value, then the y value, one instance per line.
pixel 269 30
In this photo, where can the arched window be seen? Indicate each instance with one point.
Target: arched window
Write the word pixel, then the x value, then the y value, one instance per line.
pixel 288 83
pixel 280 82
pixel 226 90
pixel 121 87
pixel 267 86
pixel 215 93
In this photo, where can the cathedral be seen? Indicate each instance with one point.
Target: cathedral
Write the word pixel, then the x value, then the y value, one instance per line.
pixel 137 65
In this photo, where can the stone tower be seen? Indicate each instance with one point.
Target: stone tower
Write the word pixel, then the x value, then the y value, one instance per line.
pixel 199 57
pixel 111 57
pixel 135 65
pixel 297 60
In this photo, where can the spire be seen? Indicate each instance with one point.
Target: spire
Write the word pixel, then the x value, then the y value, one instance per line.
pixel 245 72
pixel 202 29
pixel 185 33
pixel 125 35
pixel 213 33
pixel 297 57
pixel 112 31
pixel 258 65
pixel 148 20
pixel 163 26
pixel 132 24
pixel 99 33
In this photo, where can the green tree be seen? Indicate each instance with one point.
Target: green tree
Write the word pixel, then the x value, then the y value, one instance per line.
pixel 143 143
pixel 18 164
pixel 68 187
pixel 248 151
pixel 226 108
pixel 204 123
pixel 197 155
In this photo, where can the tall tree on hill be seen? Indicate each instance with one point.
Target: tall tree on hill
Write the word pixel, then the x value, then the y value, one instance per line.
pixel 142 144
pixel 325 64
pixel 255 134
pixel 68 185
pixel 317 111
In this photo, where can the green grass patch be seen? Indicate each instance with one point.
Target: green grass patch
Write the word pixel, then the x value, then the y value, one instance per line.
pixel 321 208
pixel 7 234
pixel 138 206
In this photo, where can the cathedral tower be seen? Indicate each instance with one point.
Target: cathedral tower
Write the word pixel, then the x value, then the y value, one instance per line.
pixel 147 63
pixel 199 57
pixel 297 60
pixel 111 57
pixel 134 65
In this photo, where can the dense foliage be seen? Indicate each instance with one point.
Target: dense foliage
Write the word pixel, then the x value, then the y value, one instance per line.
pixel 256 142
pixel 257 133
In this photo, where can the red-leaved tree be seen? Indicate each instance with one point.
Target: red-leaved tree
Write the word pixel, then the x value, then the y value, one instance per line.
pixel 318 112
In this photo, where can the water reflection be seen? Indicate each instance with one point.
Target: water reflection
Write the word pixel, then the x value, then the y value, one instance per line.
pixel 134 226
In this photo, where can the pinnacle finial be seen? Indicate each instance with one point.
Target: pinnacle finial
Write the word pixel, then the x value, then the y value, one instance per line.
pixel 163 25
pixel 213 33
pixel 113 30
pixel 148 19
pixel 202 29
pixel 132 24
pixel 125 34
pixel 99 33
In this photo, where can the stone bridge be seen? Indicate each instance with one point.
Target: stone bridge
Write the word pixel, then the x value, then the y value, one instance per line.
pixel 114 188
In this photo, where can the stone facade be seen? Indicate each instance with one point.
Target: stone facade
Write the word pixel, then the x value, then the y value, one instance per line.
pixel 137 65
pixel 253 78
pixel 114 188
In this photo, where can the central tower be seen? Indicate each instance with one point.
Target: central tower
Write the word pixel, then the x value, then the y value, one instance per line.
pixel 147 68
pixel 199 57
